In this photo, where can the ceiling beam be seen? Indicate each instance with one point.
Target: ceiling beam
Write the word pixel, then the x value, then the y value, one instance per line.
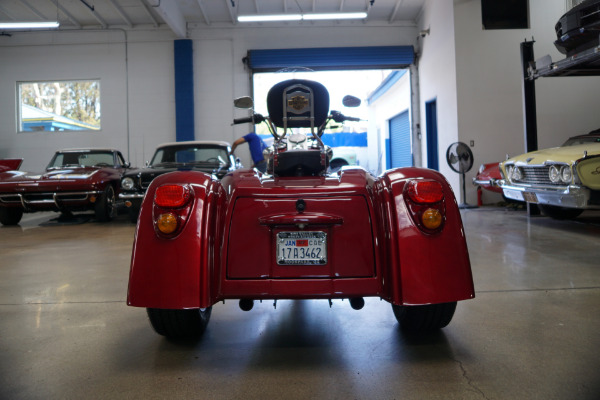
pixel 396 8
pixel 170 12
pixel 203 11
pixel 33 10
pixel 3 11
pixel 149 12
pixel 121 13
pixel 95 14
pixel 66 13
pixel 231 12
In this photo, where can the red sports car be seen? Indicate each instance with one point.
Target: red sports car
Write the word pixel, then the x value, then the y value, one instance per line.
pixel 10 164
pixel 298 231
pixel 488 176
pixel 75 180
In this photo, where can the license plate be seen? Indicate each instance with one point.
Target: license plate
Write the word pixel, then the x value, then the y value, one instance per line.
pixel 530 197
pixel 301 248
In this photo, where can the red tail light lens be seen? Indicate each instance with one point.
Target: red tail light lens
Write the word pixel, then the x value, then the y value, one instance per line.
pixel 172 207
pixel 425 201
pixel 425 192
pixel 172 196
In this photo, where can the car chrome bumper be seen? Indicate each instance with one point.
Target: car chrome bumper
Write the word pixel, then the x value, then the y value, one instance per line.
pixel 569 196
pixel 490 182
pixel 131 196
pixel 57 199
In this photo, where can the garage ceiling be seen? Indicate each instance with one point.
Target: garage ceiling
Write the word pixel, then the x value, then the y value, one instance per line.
pixel 179 15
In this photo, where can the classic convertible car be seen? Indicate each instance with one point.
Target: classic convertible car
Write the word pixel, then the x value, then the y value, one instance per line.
pixel 298 231
pixel 212 157
pixel 563 181
pixel 75 180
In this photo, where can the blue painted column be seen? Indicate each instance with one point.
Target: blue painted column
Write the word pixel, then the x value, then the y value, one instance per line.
pixel 184 90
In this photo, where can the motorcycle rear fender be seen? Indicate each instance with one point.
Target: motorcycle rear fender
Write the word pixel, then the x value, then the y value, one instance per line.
pixel 421 268
pixel 177 273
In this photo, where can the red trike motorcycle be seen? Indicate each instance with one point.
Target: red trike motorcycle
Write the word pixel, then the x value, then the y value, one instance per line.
pixel 299 231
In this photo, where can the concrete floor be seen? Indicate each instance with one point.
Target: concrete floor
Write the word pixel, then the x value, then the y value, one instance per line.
pixel 533 332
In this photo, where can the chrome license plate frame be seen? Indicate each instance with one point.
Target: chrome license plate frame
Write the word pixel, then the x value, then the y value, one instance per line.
pixel 301 248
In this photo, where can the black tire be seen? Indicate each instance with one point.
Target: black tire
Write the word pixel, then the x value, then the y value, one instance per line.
pixel 179 323
pixel 557 212
pixel 105 207
pixel 10 215
pixel 427 318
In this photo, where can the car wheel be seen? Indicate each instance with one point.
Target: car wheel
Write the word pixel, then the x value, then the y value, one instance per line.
pixel 10 215
pixel 419 319
pixel 179 323
pixel 105 205
pixel 559 212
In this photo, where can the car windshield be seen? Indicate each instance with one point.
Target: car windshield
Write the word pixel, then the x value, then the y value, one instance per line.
pixel 574 141
pixel 196 155
pixel 82 159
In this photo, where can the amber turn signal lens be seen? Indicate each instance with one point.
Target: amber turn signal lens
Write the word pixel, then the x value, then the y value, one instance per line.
pixel 167 223
pixel 432 218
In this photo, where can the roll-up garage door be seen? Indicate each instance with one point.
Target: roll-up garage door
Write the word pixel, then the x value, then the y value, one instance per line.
pixel 400 149
pixel 331 58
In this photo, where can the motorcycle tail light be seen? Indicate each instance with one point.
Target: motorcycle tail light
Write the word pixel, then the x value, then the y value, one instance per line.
pixel 425 201
pixel 425 192
pixel 172 196
pixel 171 209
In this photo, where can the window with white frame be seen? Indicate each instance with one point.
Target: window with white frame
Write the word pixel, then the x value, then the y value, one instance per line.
pixel 53 106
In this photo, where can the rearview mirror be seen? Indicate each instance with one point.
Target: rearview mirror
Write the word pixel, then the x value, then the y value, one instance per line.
pixel 243 102
pixel 351 101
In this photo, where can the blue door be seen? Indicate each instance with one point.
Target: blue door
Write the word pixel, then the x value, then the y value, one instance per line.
pixel 400 149
pixel 432 135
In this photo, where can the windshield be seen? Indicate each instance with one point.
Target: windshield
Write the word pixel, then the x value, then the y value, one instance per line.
pixel 199 155
pixel 574 141
pixel 82 159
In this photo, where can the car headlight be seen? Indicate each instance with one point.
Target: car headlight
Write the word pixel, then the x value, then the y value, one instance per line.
pixel 509 169
pixel 554 174
pixel 517 174
pixel 127 183
pixel 481 168
pixel 565 174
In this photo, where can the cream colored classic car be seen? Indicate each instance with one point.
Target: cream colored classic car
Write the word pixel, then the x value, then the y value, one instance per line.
pixel 563 181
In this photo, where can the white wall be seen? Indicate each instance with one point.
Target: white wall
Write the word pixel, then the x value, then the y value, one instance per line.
pixel 137 81
pixel 437 80
pixel 489 87
pixel 393 102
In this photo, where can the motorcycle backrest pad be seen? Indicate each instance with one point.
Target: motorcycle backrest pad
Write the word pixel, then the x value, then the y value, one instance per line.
pixel 320 103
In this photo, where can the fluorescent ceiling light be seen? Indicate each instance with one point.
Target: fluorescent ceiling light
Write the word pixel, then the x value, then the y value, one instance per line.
pixel 356 15
pixel 300 17
pixel 269 18
pixel 29 25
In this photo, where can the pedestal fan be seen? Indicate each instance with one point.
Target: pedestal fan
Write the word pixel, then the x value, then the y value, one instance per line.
pixel 460 160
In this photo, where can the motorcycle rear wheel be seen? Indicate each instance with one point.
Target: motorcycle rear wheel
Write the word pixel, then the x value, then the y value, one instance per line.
pixel 176 324
pixel 426 318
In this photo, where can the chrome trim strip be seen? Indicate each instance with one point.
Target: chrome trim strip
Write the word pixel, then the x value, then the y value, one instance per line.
pixel 131 195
